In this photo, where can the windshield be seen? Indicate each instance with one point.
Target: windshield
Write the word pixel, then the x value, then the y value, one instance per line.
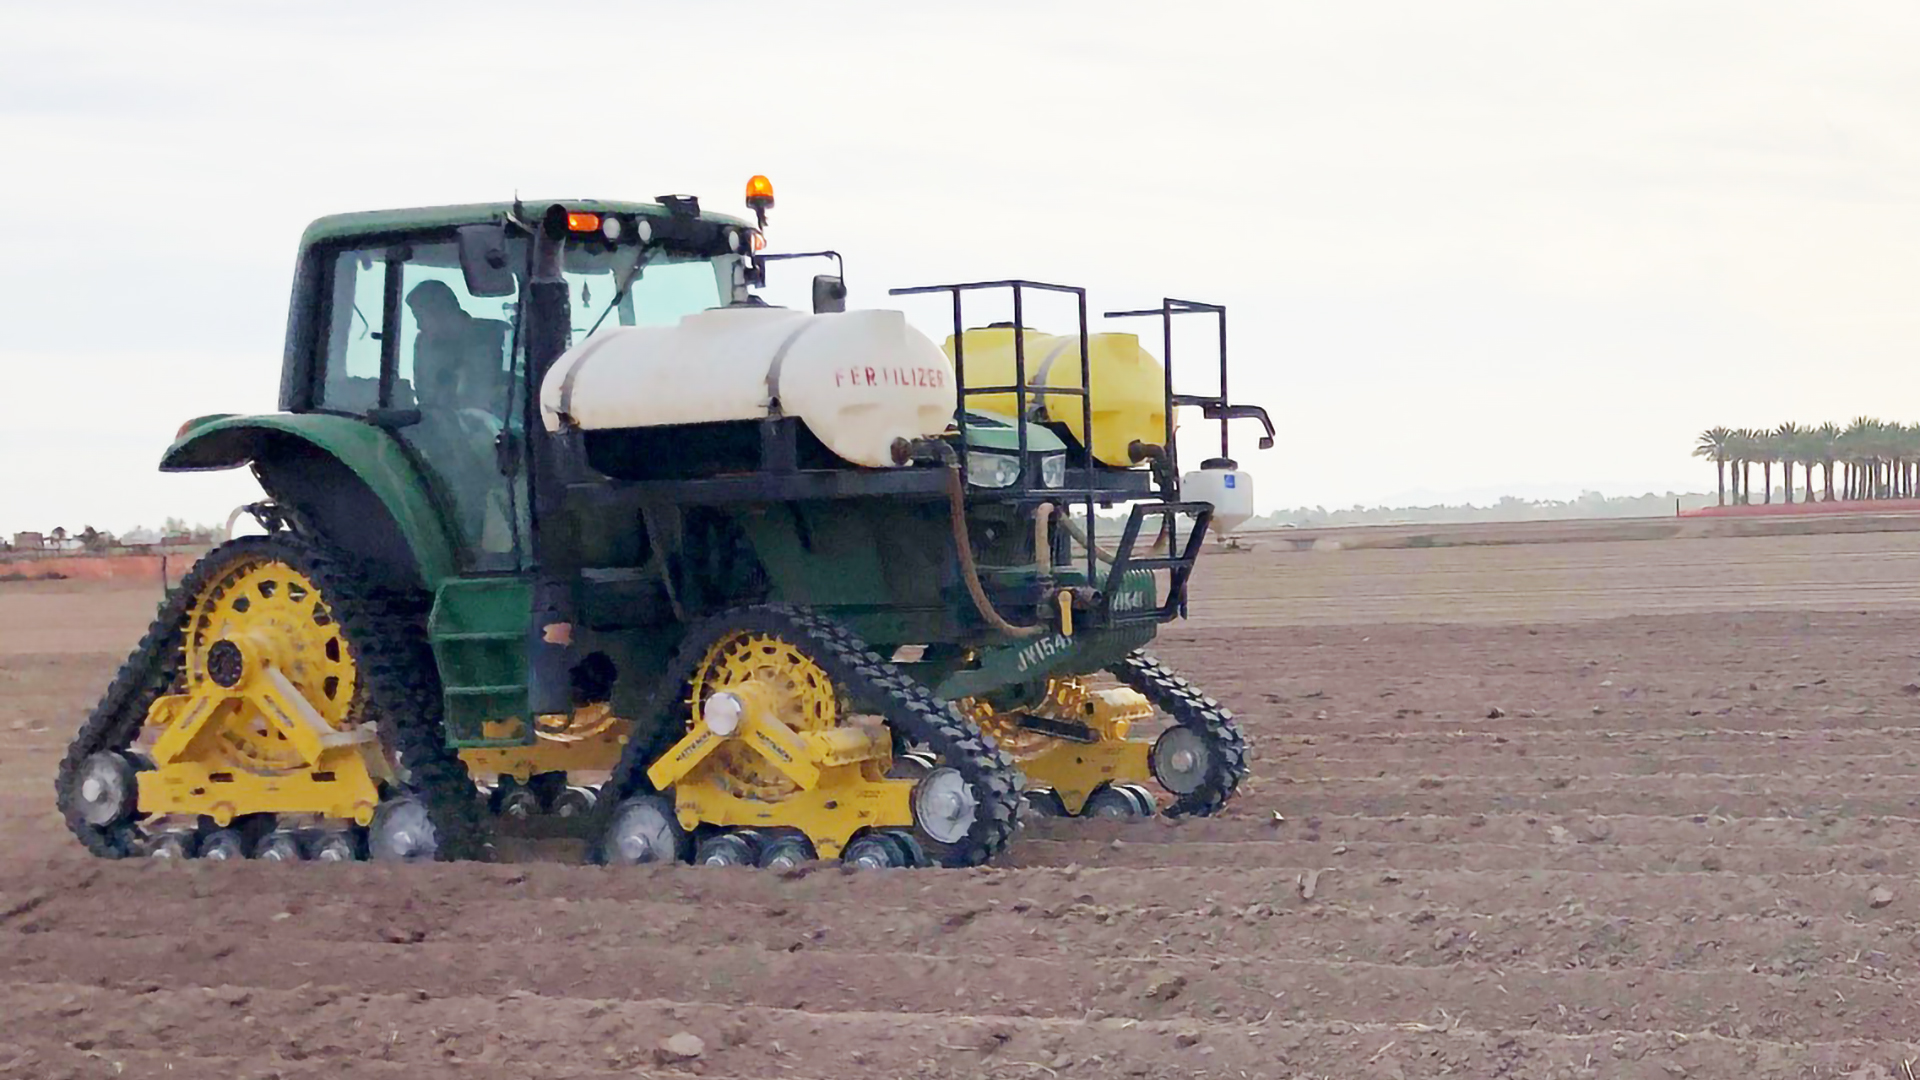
pixel 665 287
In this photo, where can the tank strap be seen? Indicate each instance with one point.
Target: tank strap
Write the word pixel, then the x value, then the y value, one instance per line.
pixel 566 385
pixel 1046 365
pixel 780 359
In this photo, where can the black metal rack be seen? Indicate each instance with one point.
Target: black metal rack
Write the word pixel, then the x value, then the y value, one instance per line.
pixel 1027 486
pixel 1213 408
pixel 1094 488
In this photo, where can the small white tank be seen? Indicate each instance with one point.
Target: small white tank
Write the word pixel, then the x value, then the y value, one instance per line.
pixel 1219 481
pixel 858 379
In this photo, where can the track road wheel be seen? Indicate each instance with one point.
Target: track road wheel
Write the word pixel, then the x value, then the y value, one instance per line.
pixel 740 848
pixel 177 845
pixel 278 678
pixel 513 801
pixel 1113 801
pixel 281 845
pixel 574 802
pixel 787 852
pixel 547 787
pixel 907 846
pixel 784 720
pixel 874 851
pixel 339 845
pixel 223 845
pixel 1205 761
pixel 1045 802
pixel 1142 799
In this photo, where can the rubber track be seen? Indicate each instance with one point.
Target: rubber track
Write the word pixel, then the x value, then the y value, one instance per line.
pixel 398 683
pixel 908 707
pixel 1194 710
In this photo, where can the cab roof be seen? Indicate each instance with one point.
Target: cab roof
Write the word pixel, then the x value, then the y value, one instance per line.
pixel 375 222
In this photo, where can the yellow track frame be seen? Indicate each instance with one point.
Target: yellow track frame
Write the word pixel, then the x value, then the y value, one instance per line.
pixel 836 775
pixel 278 738
pixel 1074 770
pixel 590 740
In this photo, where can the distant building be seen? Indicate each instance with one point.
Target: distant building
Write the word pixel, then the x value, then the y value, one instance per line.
pixel 28 541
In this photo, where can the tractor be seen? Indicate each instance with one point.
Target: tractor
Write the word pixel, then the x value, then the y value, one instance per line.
pixel 565 521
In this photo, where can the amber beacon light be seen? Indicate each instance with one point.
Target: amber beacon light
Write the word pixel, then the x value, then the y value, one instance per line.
pixel 760 197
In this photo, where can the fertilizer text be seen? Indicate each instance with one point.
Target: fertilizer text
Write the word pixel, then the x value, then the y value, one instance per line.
pixel 890 376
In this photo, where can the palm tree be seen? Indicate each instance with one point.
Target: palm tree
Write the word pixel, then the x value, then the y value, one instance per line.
pixel 1766 450
pixel 1787 439
pixel 1856 451
pixel 1827 437
pixel 1746 448
pixel 1715 443
pixel 1905 445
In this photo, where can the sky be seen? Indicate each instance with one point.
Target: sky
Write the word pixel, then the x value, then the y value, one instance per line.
pixel 1469 248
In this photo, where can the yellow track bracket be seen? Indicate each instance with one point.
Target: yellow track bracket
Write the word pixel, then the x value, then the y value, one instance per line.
pixel 836 796
pixel 1074 770
pixel 556 748
pixel 330 772
pixel 845 802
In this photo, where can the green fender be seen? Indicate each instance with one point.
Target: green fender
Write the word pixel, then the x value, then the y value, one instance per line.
pixel 226 441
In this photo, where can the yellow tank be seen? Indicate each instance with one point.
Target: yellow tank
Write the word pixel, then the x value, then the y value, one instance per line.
pixel 1129 385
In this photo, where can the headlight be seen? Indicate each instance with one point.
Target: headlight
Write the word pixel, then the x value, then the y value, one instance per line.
pixel 990 470
pixel 1053 470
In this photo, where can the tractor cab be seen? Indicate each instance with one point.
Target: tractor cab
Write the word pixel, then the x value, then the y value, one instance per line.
pixel 412 321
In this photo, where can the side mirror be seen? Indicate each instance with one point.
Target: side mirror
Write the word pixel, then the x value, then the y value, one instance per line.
pixel 829 294
pixel 485 261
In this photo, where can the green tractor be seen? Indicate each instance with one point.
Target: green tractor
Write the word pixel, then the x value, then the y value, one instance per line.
pixel 565 522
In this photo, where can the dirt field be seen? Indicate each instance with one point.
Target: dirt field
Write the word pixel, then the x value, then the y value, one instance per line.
pixel 1645 810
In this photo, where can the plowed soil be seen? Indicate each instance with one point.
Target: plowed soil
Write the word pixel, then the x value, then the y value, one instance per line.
pixel 1644 810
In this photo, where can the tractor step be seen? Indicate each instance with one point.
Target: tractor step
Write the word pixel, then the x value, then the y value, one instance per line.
pixel 478 630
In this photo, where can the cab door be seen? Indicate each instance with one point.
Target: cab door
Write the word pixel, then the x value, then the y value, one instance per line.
pixel 410 348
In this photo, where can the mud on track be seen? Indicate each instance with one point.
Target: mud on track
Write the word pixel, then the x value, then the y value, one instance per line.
pixel 1660 859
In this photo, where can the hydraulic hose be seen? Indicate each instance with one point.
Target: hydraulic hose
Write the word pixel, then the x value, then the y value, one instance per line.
pixel 1080 536
pixel 963 546
pixel 1042 540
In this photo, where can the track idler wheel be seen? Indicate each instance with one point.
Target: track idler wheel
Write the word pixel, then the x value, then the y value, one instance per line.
pixel 403 831
pixel 644 829
pixel 1202 759
pixel 106 788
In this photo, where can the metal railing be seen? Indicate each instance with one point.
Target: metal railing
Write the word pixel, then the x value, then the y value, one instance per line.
pixel 1027 487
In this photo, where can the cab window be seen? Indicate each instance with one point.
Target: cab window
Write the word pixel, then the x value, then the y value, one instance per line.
pixel 350 366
